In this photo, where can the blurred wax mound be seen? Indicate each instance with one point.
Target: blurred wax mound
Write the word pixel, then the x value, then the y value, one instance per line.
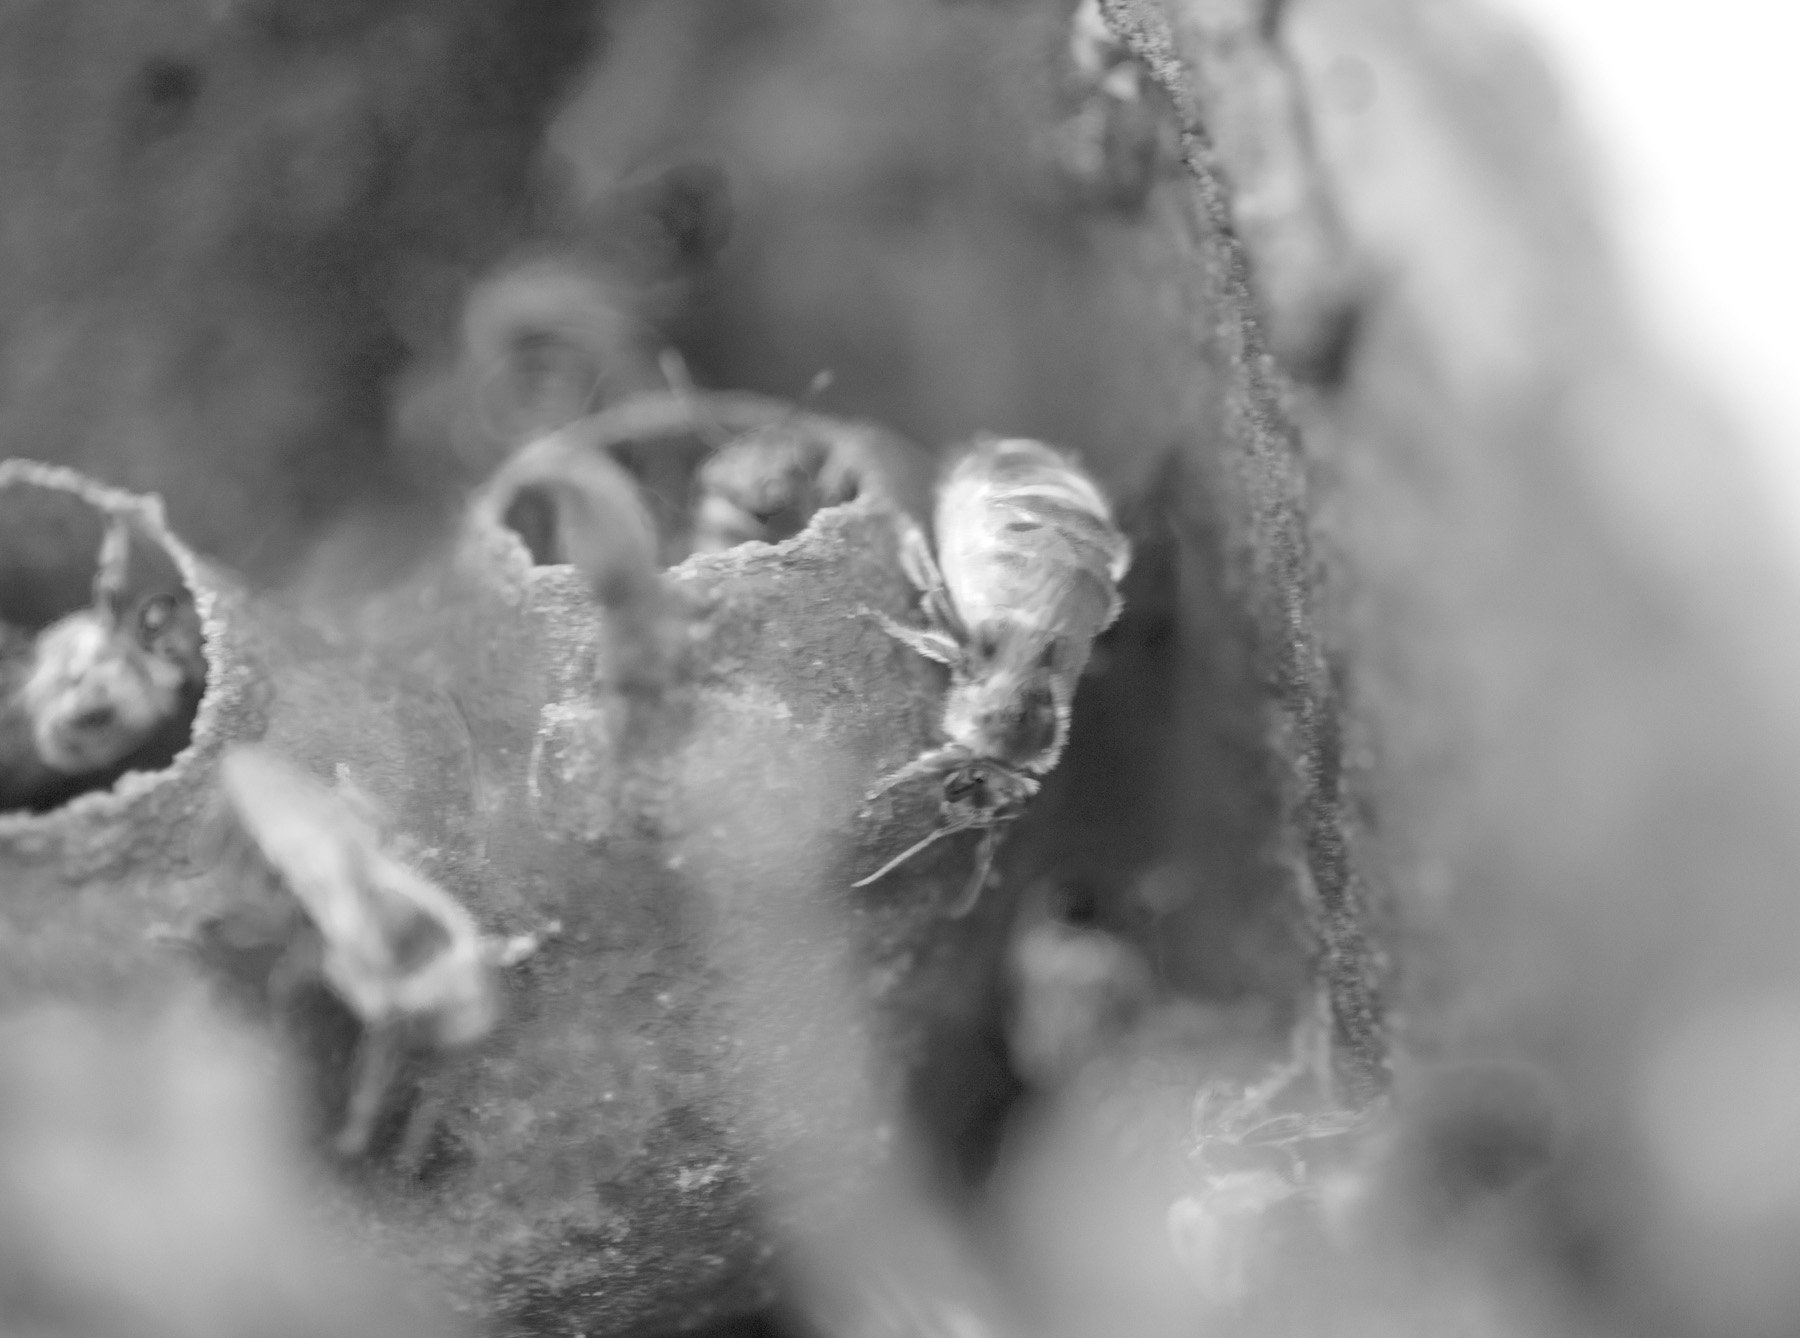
pixel 149 1188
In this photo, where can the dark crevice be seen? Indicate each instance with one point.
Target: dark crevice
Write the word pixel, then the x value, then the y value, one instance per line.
pixel 1283 599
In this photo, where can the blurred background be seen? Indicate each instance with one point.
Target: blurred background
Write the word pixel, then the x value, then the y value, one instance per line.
pixel 1689 124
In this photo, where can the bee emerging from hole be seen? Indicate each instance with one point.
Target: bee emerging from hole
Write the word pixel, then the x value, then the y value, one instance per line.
pixel 1026 575
pixel 106 687
pixel 402 954
pixel 767 485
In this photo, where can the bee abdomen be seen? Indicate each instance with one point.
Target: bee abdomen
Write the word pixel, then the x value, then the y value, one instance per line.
pixel 1025 535
pixel 1029 483
pixel 1081 538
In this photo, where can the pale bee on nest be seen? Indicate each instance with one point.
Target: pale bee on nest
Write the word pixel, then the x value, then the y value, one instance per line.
pixel 1026 575
pixel 105 685
pixel 401 953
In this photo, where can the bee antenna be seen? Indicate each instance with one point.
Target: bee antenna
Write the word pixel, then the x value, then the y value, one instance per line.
pixel 930 839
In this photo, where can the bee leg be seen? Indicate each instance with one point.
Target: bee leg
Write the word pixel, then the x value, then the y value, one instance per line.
pixel 984 868
pixel 942 616
pixel 932 644
pixel 377 1061
pixel 916 559
pixel 922 570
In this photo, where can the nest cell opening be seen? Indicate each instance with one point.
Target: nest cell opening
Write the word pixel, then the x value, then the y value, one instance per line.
pixel 102 657
pixel 709 470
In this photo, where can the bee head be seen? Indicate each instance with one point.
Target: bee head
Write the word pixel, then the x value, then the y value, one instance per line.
pixel 95 695
pixel 986 791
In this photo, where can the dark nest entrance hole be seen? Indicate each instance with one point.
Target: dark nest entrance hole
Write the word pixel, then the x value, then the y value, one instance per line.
pixel 99 678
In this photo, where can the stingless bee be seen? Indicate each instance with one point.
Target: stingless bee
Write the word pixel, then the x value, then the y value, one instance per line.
pixel 104 687
pixel 1026 575
pixel 400 952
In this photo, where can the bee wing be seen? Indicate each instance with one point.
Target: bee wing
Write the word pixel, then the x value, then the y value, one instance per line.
pixel 384 926
pixel 1071 507
pixel 1023 529
pixel 965 543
